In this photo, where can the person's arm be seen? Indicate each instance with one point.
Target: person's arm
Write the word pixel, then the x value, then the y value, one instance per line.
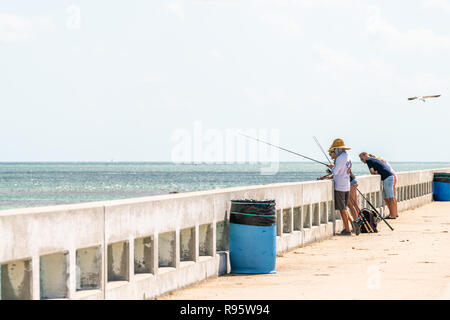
pixel 371 167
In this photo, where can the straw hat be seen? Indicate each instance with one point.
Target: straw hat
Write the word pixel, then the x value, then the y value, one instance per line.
pixel 338 144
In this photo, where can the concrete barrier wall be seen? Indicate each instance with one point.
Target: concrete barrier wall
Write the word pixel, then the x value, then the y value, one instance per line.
pixel 415 188
pixel 143 247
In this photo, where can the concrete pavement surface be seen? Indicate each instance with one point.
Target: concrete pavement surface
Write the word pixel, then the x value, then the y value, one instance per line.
pixel 411 262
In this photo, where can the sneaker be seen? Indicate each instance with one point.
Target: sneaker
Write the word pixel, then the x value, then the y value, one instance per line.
pixel 345 233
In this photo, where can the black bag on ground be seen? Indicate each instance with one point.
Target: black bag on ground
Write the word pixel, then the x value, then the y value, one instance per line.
pixel 371 218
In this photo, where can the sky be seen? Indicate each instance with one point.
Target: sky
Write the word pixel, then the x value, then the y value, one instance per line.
pixel 103 80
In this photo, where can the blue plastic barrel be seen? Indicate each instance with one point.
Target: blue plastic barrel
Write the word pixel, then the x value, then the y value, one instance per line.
pixel 252 236
pixel 441 186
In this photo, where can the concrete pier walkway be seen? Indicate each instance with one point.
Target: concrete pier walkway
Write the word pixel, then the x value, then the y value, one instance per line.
pixel 411 262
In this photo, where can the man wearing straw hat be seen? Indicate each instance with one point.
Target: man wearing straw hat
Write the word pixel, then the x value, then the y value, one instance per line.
pixel 341 177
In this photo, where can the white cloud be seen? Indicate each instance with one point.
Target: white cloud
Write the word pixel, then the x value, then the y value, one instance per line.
pixel 266 96
pixel 324 4
pixel 317 4
pixel 422 84
pixel 280 13
pixel 289 4
pixel 216 54
pixel 14 28
pixel 395 39
pixel 74 17
pixel 218 3
pixel 438 4
pixel 382 80
pixel 155 79
pixel 331 59
pixel 283 21
pixel 176 7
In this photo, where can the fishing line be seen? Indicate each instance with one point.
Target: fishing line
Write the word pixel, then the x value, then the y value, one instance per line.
pixel 298 154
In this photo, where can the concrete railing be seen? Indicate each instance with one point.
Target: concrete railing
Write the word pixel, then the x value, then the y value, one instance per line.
pixel 143 247
pixel 415 188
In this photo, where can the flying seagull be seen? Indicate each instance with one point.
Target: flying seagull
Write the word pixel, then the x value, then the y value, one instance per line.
pixel 424 97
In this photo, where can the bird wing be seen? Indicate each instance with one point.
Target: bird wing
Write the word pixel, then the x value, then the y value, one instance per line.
pixel 435 96
pixel 412 98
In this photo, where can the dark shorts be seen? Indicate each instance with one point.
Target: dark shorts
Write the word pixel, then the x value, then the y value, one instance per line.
pixel 341 199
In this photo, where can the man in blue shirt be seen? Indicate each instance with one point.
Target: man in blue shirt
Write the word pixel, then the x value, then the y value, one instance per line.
pixel 387 177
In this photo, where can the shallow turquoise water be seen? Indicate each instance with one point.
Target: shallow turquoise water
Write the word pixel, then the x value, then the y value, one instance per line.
pixel 42 184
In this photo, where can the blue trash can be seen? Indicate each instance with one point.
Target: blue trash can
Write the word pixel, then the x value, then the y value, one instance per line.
pixel 441 186
pixel 252 236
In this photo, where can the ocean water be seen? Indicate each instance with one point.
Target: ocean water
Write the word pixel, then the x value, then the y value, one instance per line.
pixel 42 184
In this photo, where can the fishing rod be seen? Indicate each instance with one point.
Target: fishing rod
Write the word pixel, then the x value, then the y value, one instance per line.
pixel 323 151
pixel 298 154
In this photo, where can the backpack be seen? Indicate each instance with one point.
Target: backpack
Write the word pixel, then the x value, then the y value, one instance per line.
pixel 371 217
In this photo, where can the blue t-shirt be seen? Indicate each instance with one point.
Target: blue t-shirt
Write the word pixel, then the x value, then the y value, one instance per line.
pixel 383 170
